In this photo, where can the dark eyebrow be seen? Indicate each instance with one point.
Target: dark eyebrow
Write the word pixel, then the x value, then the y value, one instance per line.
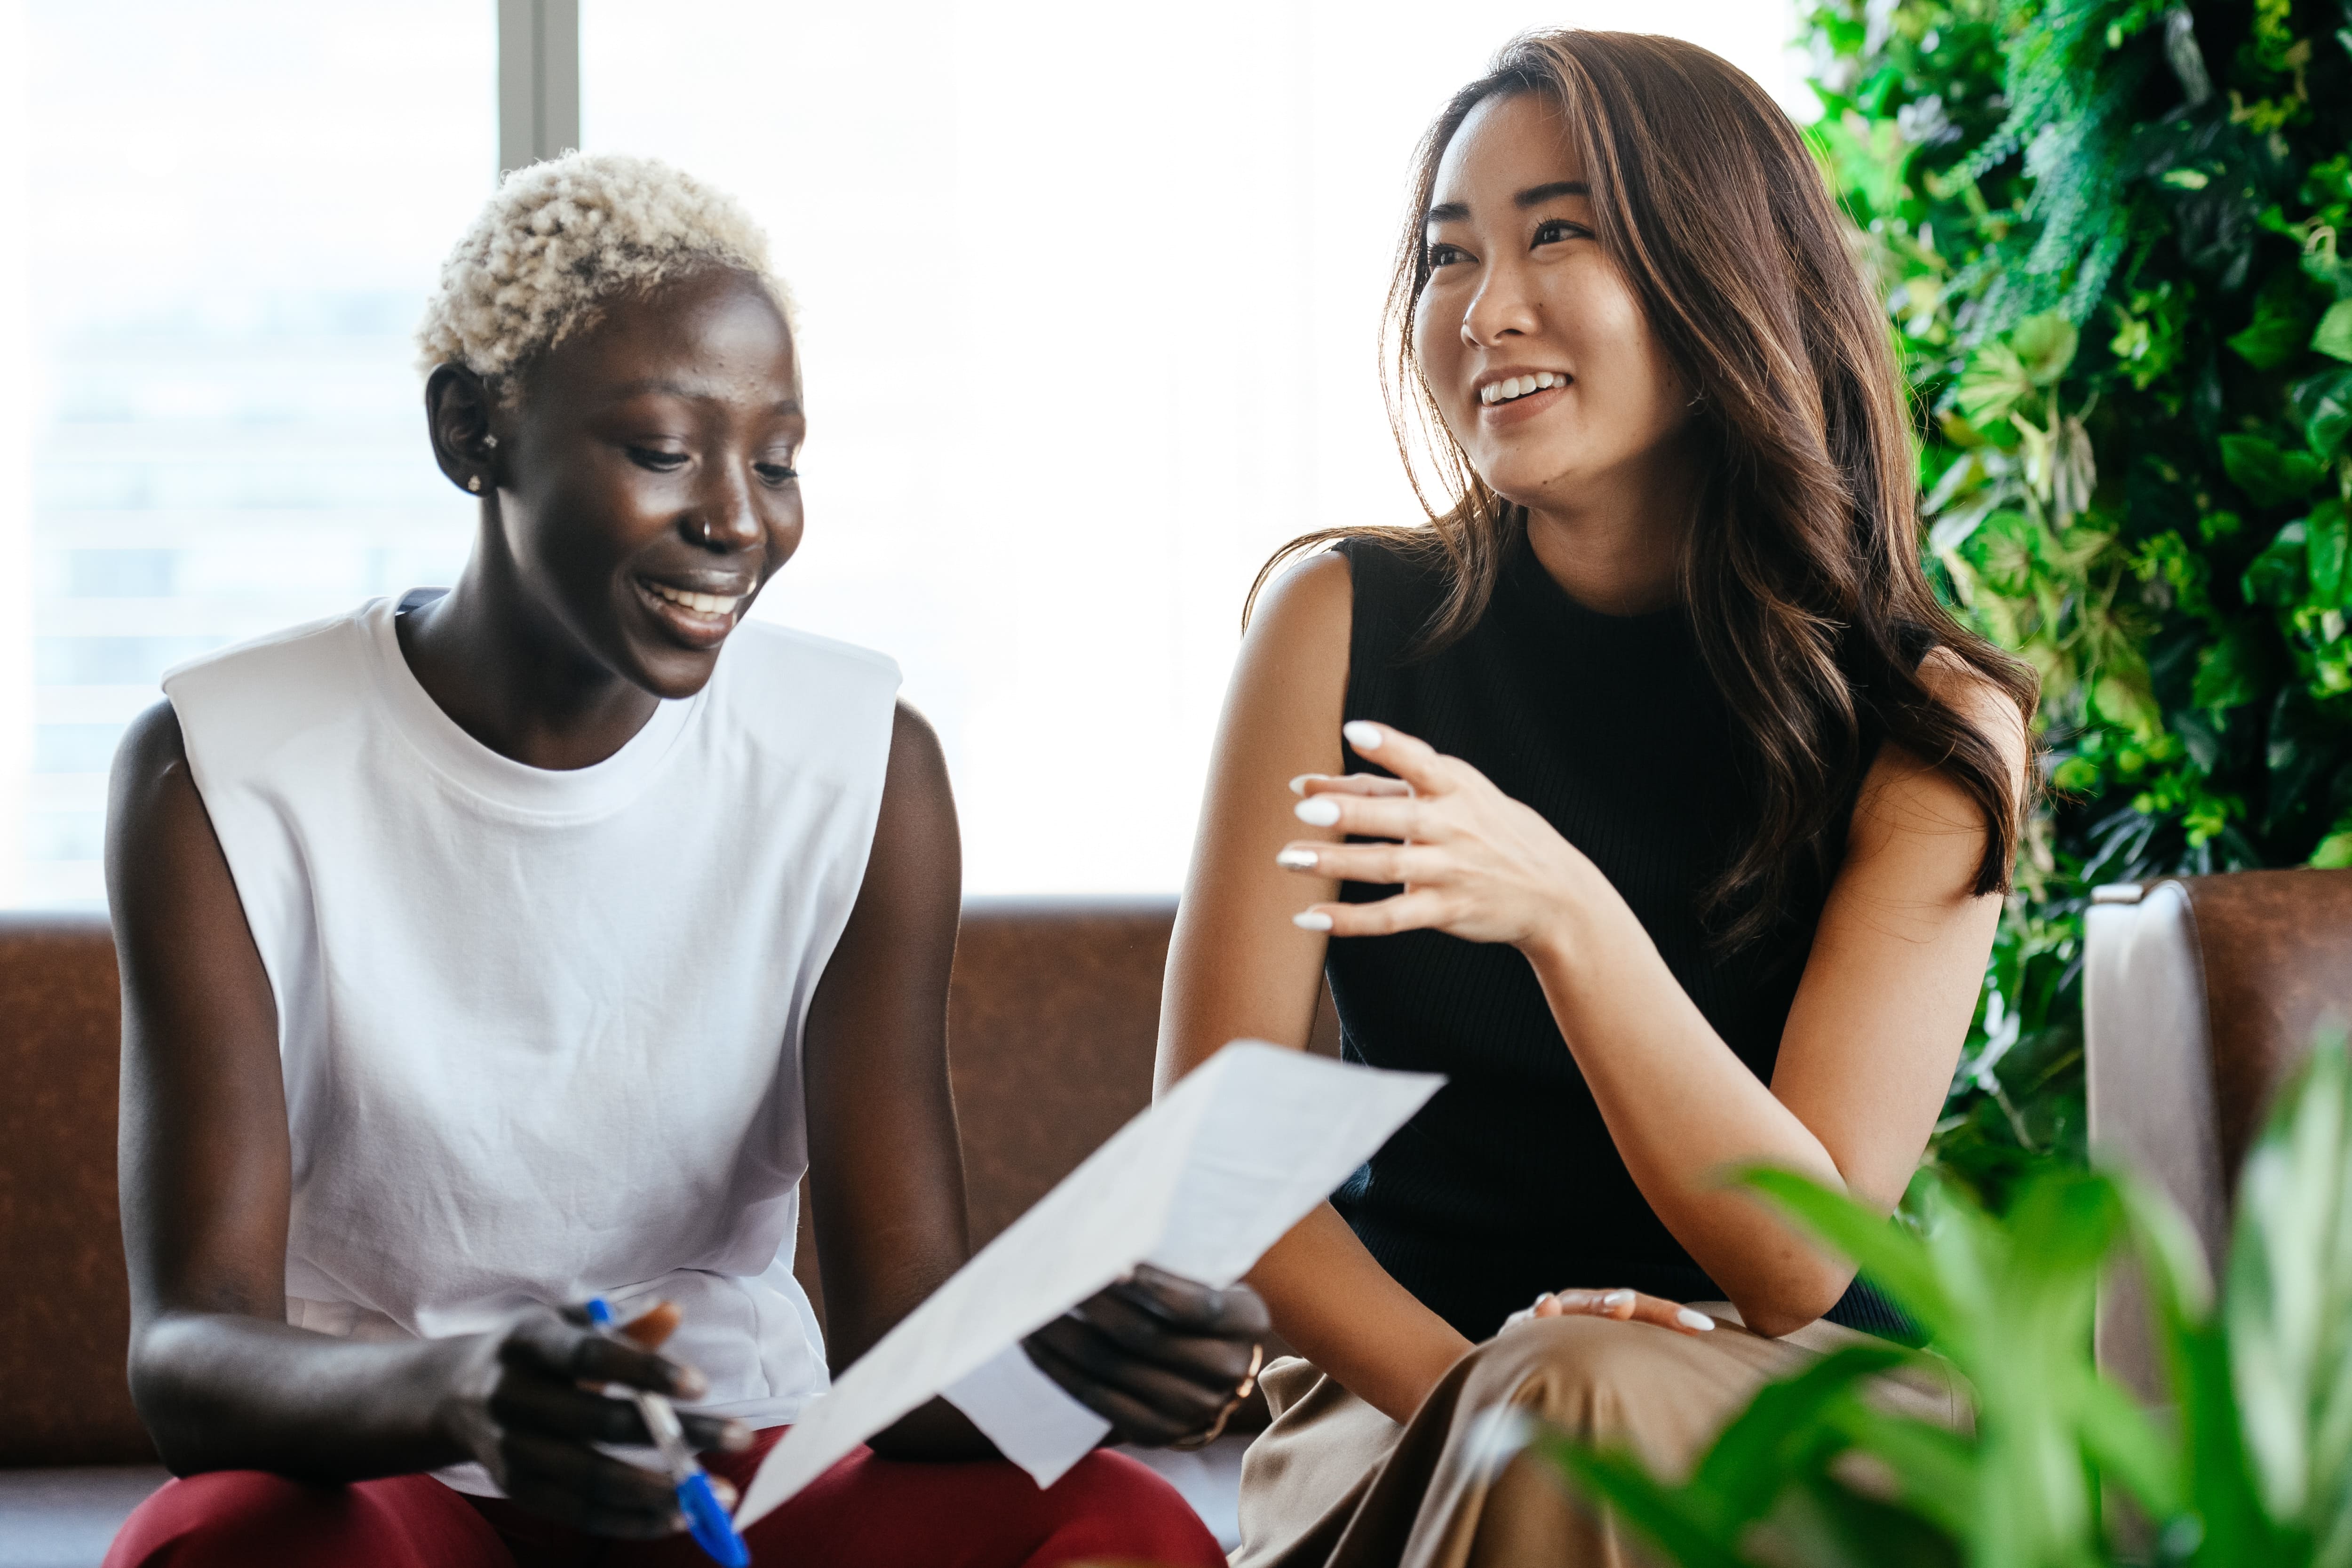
pixel 1536 195
pixel 1533 197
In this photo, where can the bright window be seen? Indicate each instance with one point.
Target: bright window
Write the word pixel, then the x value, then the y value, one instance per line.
pixel 1088 293
pixel 236 209
pixel 1089 300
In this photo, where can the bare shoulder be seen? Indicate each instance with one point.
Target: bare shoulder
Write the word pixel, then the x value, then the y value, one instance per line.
pixel 918 824
pixel 1290 683
pixel 152 796
pixel 151 746
pixel 915 746
pixel 1915 821
pixel 1975 696
pixel 1311 607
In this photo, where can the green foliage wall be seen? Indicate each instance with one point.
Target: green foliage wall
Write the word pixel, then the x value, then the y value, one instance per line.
pixel 2112 238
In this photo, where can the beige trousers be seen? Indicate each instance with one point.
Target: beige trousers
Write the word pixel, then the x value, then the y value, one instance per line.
pixel 1333 1483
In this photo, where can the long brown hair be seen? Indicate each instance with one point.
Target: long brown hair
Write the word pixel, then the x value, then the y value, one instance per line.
pixel 1802 573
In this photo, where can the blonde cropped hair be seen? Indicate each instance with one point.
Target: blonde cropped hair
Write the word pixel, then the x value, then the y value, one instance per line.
pixel 560 239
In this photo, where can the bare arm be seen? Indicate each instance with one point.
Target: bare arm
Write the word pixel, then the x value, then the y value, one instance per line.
pixel 1869 1045
pixel 1238 968
pixel 886 1167
pixel 219 1377
pixel 1157 1358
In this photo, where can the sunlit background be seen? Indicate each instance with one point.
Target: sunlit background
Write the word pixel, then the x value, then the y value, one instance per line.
pixel 1089 296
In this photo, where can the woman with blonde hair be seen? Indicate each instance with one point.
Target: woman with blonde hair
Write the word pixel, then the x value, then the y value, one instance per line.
pixel 1648 792
pixel 488 951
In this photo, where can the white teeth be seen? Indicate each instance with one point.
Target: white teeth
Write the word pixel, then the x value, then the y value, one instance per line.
pixel 1512 386
pixel 700 604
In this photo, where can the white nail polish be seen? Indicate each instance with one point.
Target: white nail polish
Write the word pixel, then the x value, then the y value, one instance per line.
pixel 1363 734
pixel 1298 784
pixel 1690 1320
pixel 1311 920
pixel 1297 860
pixel 1317 811
pixel 1612 1300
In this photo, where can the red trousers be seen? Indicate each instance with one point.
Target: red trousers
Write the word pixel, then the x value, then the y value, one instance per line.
pixel 865 1512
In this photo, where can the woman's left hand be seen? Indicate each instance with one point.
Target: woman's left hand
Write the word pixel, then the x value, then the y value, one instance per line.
pixel 1626 1305
pixel 1160 1358
pixel 1474 863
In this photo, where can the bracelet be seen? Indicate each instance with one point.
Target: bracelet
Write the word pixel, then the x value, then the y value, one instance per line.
pixel 1242 1391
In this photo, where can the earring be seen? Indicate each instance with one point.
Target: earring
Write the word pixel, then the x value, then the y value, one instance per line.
pixel 475 484
pixel 489 443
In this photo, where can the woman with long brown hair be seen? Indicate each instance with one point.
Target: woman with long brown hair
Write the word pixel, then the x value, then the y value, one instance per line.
pixel 1647 793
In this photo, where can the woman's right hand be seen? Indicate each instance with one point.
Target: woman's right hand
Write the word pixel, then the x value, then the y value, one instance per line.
pixel 523 1401
pixel 1630 1306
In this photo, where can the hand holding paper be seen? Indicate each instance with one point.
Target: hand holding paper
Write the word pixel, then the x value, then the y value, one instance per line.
pixel 1200 1185
pixel 1160 1357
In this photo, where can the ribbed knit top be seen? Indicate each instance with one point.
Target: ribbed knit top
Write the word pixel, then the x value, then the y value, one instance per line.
pixel 1507 1183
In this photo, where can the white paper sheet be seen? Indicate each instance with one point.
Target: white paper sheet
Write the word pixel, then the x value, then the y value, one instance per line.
pixel 1199 1184
pixel 1033 1421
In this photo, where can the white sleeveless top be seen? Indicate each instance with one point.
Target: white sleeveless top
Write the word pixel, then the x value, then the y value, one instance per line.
pixel 541 1030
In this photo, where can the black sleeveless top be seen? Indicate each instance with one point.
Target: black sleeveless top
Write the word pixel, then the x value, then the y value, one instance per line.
pixel 1506 1182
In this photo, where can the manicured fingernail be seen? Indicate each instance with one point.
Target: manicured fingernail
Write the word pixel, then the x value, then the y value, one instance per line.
pixel 1690 1320
pixel 1297 860
pixel 1311 920
pixel 1612 1300
pixel 1363 734
pixel 1298 784
pixel 1322 811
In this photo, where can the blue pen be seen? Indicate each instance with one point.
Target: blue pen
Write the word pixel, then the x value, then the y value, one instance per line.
pixel 705 1519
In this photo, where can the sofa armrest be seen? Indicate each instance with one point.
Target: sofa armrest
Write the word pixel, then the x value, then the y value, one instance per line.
pixel 2201 996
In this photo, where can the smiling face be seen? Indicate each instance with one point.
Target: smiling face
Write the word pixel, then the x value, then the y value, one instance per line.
pixel 1532 342
pixel 646 487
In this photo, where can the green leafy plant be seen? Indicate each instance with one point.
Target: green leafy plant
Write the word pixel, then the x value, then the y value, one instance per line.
pixel 2254 1466
pixel 2112 238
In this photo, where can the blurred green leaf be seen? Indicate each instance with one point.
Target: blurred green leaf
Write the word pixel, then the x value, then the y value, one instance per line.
pixel 2268 473
pixel 1679 1522
pixel 2281 323
pixel 2036 354
pixel 2229 674
pixel 2289 1304
pixel 2334 334
pixel 2322 406
pixel 2278 575
pixel 2327 540
pixel 1995 380
pixel 2045 347
pixel 1782 1429
pixel 2334 851
pixel 1824 1525
pixel 1893 1260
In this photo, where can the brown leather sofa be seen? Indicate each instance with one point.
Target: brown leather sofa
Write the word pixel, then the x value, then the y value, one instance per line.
pixel 2200 996
pixel 1053 1015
